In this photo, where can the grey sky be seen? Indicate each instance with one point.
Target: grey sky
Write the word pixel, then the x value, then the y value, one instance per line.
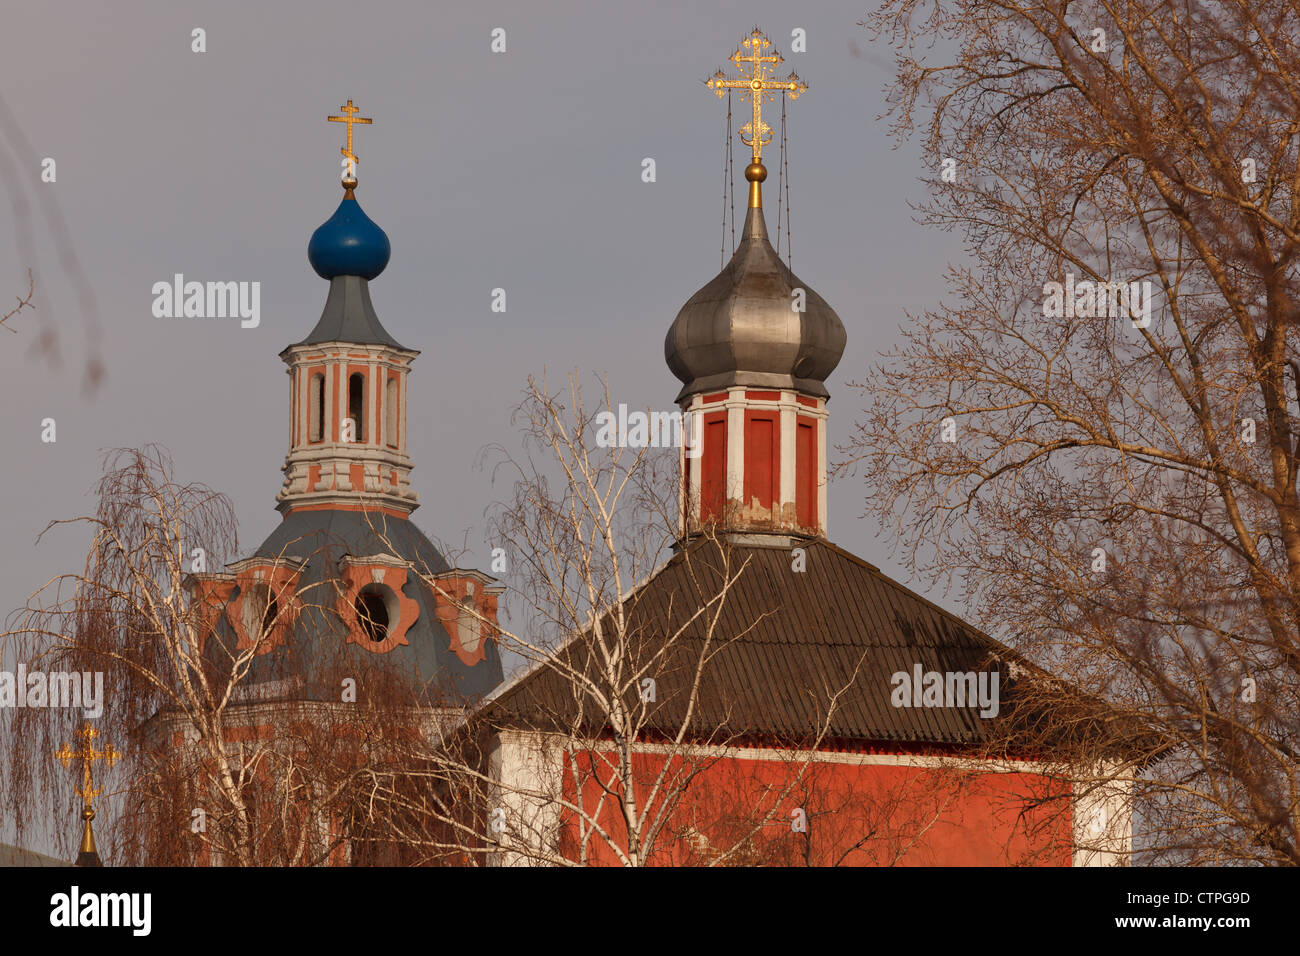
pixel 519 171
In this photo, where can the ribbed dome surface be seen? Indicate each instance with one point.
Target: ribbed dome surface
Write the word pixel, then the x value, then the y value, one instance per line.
pixel 741 329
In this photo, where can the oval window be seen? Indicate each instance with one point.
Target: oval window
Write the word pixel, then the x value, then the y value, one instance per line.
pixel 372 613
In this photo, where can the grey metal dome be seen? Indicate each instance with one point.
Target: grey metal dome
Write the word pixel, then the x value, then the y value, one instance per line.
pixel 740 329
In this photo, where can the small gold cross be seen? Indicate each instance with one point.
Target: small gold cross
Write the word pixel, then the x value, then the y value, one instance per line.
pixel 350 156
pixel 88 755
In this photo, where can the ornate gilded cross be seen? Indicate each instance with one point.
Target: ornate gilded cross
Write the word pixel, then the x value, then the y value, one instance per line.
pixel 758 84
pixel 88 755
pixel 350 156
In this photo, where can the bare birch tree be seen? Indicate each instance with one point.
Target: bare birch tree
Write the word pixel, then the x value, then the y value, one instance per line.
pixel 202 789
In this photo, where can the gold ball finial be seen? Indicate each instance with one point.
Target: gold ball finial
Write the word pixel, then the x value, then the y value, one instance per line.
pixel 755 173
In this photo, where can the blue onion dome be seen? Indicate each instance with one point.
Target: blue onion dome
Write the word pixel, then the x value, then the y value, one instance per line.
pixel 348 244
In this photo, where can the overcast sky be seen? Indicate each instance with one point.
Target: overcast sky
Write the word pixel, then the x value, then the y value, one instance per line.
pixel 519 170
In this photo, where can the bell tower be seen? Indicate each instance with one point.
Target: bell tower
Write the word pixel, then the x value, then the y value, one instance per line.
pixel 753 349
pixel 348 377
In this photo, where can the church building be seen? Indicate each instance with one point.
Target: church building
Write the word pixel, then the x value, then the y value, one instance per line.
pixel 822 729
pixel 346 501
pixel 346 590
pixel 803 710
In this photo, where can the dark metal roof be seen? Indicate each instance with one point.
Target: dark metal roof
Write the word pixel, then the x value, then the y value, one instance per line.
pixel 786 643
pixel 349 316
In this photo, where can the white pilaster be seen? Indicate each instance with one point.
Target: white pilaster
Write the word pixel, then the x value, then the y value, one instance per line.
pixel 327 433
pixel 1103 819
pixel 293 406
pixel 821 473
pixel 789 419
pixel 374 431
pixel 683 463
pixel 524 813
pixel 697 463
pixel 401 405
pixel 736 444
pixel 304 405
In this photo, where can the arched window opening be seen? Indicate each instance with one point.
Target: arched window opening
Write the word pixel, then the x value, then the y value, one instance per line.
pixel 390 412
pixel 372 613
pixel 357 405
pixel 316 407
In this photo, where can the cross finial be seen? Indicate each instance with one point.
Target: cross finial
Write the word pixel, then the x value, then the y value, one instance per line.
pixel 87 754
pixel 758 83
pixel 350 176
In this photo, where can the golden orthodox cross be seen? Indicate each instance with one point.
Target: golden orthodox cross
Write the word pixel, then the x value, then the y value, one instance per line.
pixel 758 84
pixel 88 755
pixel 350 118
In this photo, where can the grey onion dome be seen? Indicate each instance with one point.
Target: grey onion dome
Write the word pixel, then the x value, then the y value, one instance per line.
pixel 741 329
